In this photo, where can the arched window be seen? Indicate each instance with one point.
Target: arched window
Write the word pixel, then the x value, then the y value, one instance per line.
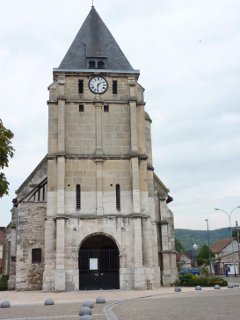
pixel 118 198
pixel 101 65
pixel 92 65
pixel 78 197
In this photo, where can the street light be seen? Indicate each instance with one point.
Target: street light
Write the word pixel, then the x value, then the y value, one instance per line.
pixel 237 230
pixel 209 255
pixel 195 248
pixel 230 225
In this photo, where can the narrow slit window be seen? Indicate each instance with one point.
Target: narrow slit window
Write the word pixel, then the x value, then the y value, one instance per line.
pixel 106 108
pixel 43 193
pixel 118 199
pixel 114 87
pixel 80 86
pixel 78 197
pixel 36 255
pixel 81 108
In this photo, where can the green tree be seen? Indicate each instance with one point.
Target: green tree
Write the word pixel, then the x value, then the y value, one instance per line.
pixel 179 246
pixel 203 255
pixel 236 233
pixel 6 152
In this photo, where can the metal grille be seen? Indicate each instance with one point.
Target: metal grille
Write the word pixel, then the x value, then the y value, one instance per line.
pixel 107 260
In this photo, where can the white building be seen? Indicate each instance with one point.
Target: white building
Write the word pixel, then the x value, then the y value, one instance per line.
pixel 226 255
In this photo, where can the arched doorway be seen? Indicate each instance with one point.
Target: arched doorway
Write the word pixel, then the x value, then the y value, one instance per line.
pixel 98 263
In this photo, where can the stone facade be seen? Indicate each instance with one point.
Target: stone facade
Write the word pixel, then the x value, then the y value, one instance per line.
pixel 2 244
pixel 97 182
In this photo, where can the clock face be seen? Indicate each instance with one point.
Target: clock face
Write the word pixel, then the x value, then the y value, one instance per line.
pixel 98 85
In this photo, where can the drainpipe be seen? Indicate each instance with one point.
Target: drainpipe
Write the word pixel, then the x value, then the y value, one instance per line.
pixel 160 239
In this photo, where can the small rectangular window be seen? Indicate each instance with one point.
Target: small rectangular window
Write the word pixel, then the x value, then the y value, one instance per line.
pixel 106 108
pixel 36 255
pixel 114 87
pixel 80 86
pixel 81 108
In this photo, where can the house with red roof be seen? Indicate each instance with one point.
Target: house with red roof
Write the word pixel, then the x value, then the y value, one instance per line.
pixel 226 253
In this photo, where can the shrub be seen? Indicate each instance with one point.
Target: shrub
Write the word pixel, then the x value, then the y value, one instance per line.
pixel 190 280
pixel 4 283
pixel 221 282
pixel 187 280
pixel 205 271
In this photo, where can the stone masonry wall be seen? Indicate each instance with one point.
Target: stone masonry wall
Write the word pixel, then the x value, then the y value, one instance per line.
pixel 30 236
pixel 84 173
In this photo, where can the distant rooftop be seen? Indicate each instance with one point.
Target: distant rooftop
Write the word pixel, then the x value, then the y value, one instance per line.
pixel 218 246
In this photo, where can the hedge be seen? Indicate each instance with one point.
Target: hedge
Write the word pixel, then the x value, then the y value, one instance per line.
pixel 191 280
pixel 4 283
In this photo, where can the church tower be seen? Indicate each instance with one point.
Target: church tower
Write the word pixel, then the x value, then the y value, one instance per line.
pixel 107 224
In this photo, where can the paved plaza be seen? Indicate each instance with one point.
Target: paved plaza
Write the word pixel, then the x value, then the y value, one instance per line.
pixel 161 304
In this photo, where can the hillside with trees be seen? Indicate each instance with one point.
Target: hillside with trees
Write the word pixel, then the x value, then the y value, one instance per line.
pixel 189 237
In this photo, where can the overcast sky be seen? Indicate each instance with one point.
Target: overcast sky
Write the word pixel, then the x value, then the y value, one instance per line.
pixel 188 53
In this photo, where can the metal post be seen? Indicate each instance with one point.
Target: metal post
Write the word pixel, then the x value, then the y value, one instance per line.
pixel 209 255
pixel 237 230
pixel 230 225
pixel 195 248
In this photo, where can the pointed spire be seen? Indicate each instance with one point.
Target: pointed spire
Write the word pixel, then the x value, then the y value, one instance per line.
pixel 95 41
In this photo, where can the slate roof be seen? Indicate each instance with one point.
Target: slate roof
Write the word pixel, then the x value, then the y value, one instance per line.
pixel 218 246
pixel 94 40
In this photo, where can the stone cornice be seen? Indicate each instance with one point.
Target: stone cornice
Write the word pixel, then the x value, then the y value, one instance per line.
pixel 168 251
pixel 85 101
pixel 91 72
pixel 100 217
pixel 163 222
pixel 99 157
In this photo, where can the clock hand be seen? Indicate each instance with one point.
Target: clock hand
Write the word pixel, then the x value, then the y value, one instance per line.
pixel 98 86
